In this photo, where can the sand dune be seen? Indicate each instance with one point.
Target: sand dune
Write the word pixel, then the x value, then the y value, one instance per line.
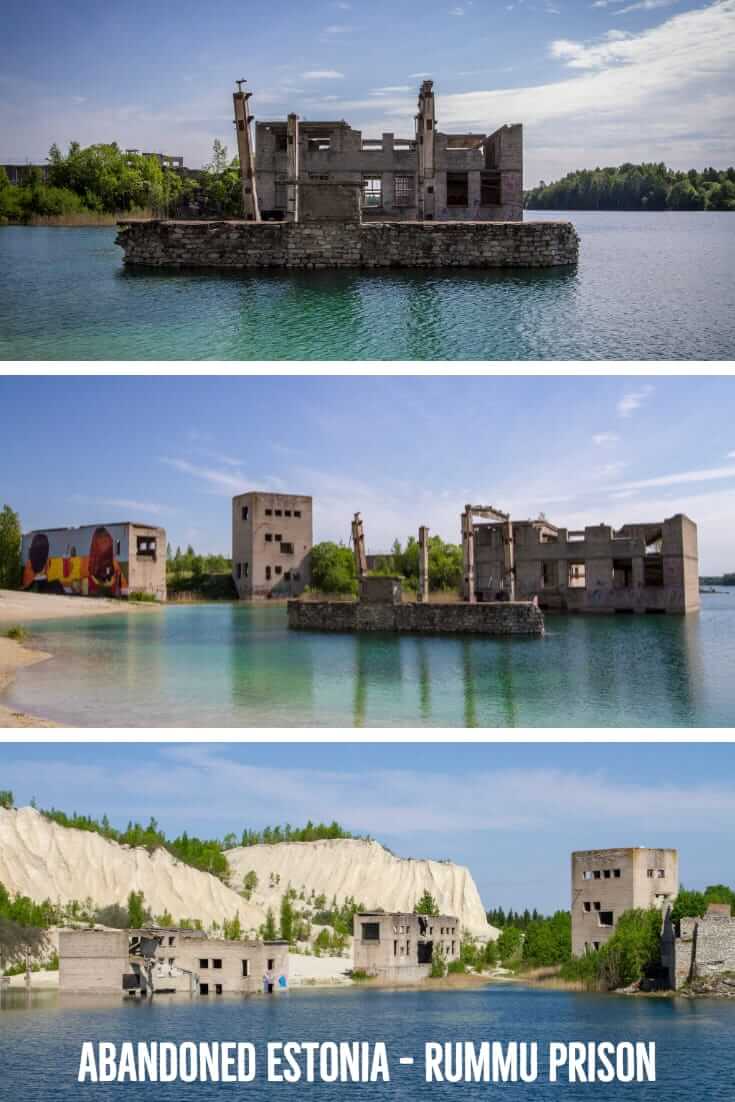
pixel 364 870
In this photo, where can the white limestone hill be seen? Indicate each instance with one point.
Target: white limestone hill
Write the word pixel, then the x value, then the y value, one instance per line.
pixel 363 870
pixel 43 860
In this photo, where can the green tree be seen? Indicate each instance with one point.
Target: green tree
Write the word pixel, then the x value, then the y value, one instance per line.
pixel 10 544
pixel 509 943
pixel 249 883
pixel 548 941
pixel 333 568
pixel 137 914
pixel 426 905
pixel 232 928
pixel 6 799
pixel 268 930
pixel 287 918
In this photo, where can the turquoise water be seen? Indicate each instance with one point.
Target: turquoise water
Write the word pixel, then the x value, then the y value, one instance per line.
pixel 238 665
pixel 40 1041
pixel 648 286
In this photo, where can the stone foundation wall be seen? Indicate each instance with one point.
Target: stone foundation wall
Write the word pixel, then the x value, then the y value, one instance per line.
pixel 705 947
pixel 501 618
pixel 156 243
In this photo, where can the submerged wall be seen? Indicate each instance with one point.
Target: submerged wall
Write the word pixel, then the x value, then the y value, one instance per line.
pixel 155 243
pixel 501 618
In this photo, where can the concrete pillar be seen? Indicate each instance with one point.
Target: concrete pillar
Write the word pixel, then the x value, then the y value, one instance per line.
pixel 358 542
pixel 246 153
pixel 423 593
pixel 425 151
pixel 468 554
pixel 292 153
pixel 509 566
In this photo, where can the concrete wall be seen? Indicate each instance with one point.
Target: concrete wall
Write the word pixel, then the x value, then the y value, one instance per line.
pixel 155 243
pixel 405 945
pixel 704 947
pixel 621 572
pixel 147 569
pixel 607 882
pixel 93 961
pixel 272 537
pixel 503 618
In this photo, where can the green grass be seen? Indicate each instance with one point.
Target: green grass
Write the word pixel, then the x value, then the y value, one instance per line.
pixel 17 633
pixel 147 598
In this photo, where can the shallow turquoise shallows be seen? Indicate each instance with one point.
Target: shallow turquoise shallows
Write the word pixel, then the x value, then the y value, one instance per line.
pixel 41 1041
pixel 648 286
pixel 239 665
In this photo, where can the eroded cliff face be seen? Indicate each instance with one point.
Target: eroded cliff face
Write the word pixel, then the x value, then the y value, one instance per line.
pixel 40 859
pixel 364 870
pixel 43 860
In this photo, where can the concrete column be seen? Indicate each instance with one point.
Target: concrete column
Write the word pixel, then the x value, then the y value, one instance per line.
pixel 468 550
pixel 246 153
pixel 358 541
pixel 423 593
pixel 509 569
pixel 425 151
pixel 292 153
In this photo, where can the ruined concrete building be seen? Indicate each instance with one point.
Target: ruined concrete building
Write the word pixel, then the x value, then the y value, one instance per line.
pixel 607 882
pixel 402 946
pixel 271 544
pixel 430 176
pixel 636 568
pixel 168 960
pixel 699 948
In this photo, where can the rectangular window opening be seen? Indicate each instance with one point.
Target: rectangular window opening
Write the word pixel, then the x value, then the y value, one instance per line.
pixel 370 931
pixel 578 580
pixel 490 189
pixel 606 918
pixel 404 191
pixel 246 968
pixel 372 192
pixel 245 512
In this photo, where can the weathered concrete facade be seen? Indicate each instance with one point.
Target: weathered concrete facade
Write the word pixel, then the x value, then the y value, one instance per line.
pixel 637 568
pixel 272 537
pixel 701 947
pixel 340 244
pixel 96 560
pixel 430 176
pixel 168 960
pixel 607 882
pixel 402 946
pixel 434 618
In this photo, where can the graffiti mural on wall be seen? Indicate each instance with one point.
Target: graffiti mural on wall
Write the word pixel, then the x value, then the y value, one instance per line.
pixel 91 562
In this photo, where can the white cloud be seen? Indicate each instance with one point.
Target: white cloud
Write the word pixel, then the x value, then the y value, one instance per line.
pixel 633 400
pixel 390 88
pixel 710 475
pixel 338 28
pixel 229 481
pixel 128 504
pixel 601 438
pixel 730 455
pixel 646 5
pixel 456 11
pixel 323 74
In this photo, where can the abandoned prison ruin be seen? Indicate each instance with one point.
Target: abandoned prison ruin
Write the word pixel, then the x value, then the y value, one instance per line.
pixel 402 946
pixel 319 195
pixel 637 568
pixel 168 960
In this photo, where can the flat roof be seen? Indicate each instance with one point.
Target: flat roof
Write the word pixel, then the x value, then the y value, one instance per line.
pixel 96 524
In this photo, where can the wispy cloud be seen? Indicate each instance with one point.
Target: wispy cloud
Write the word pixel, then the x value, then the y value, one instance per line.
pixel 323 74
pixel 711 474
pixel 646 5
pixel 128 504
pixel 633 400
pixel 338 28
pixel 602 438
pixel 229 481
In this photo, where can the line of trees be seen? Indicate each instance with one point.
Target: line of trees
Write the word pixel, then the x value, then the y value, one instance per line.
pixel 333 565
pixel 105 179
pixel 10 549
pixel 272 835
pixel 637 187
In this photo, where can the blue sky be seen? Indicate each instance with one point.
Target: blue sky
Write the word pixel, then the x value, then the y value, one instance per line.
pixel 594 81
pixel 511 813
pixel 405 451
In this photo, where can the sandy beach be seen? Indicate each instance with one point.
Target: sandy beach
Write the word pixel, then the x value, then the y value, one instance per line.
pixel 20 609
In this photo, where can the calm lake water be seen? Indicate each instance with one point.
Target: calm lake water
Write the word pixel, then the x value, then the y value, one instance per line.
pixel 648 286
pixel 239 665
pixel 695 1047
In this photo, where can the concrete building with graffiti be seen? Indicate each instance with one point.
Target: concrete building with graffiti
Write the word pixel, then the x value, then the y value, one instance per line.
pixel 96 560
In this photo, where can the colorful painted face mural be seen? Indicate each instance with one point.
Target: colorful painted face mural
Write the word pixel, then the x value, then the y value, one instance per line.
pixel 49 568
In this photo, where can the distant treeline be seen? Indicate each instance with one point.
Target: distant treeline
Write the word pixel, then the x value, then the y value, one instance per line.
pixel 270 836
pixel 104 179
pixel 637 187
pixel 724 579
